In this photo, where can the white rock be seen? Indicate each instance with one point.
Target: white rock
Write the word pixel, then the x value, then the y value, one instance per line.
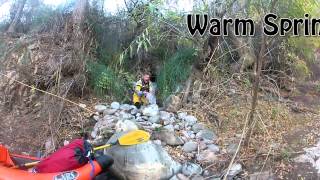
pixel 190 169
pixel 82 105
pixel 125 126
pixel 115 105
pixel 152 110
pixel 190 146
pixel 94 134
pixel 100 108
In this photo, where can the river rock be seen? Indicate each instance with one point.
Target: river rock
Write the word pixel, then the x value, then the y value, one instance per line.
pixel 100 108
pixel 152 110
pixel 168 137
pixel 206 134
pixel 142 161
pixel 207 156
pixel 125 125
pixel 190 120
pixel 109 112
pixel 235 170
pixel 198 127
pixel 214 148
pixel 190 169
pixel 190 146
pixel 126 107
pixel 115 105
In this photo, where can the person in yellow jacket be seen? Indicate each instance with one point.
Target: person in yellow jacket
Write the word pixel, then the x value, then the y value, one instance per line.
pixel 142 91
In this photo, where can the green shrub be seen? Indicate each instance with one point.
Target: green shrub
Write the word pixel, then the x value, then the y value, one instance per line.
pixel 106 81
pixel 174 72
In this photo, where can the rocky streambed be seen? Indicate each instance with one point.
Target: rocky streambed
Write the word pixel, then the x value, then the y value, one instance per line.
pixel 180 148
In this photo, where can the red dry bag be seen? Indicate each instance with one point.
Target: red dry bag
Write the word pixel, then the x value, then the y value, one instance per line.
pixel 67 158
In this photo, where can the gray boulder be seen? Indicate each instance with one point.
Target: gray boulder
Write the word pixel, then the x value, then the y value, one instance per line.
pixel 142 162
pixel 154 119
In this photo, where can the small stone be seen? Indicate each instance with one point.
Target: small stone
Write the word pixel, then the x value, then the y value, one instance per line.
pixel 190 169
pixel 96 117
pixel 198 127
pixel 82 105
pixel 190 146
pixel 65 142
pixel 169 127
pixel 115 105
pixel 207 156
pixel 214 148
pixel 202 145
pixel 206 134
pixel 168 137
pixel 138 114
pixel 94 134
pixel 100 108
pixel 235 169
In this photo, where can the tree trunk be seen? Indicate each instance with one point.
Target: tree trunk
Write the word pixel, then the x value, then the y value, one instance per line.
pixel 257 73
pixel 16 19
